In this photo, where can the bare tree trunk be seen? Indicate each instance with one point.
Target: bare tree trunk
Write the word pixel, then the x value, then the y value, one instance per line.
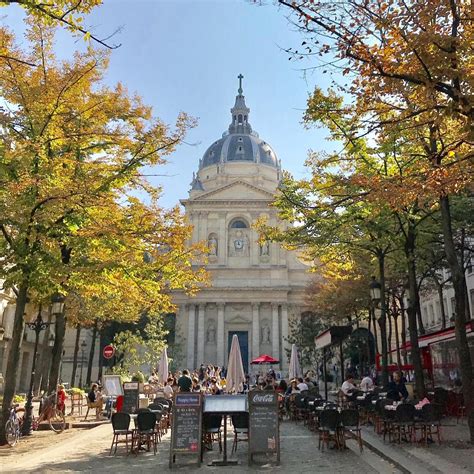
pixel 60 328
pixel 439 288
pixel 41 376
pixel 13 358
pixel 404 328
pixel 410 239
pixel 382 322
pixel 101 358
pixel 459 285
pixel 74 359
pixel 389 337
pixel 91 355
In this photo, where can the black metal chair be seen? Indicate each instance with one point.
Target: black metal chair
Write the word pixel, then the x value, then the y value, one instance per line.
pixel 240 423
pixel 431 422
pixel 403 423
pixel 441 398
pixel 383 417
pixel 121 427
pixel 211 429
pixel 329 424
pixel 350 426
pixel 146 431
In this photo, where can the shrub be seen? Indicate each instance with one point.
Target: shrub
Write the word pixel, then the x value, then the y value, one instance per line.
pixel 138 377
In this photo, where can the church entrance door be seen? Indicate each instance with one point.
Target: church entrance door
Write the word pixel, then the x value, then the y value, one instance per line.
pixel 243 337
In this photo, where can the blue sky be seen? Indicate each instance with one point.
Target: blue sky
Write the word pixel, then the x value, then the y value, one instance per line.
pixel 185 56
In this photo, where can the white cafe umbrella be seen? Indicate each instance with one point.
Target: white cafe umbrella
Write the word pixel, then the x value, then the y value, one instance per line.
pixel 235 368
pixel 163 367
pixel 295 369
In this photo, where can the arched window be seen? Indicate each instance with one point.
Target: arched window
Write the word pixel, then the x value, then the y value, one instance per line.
pixel 238 224
pixel 240 119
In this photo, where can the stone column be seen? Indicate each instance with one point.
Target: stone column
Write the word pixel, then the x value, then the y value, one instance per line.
pixel 284 335
pixel 201 336
pixel 255 331
pixel 275 332
pixel 191 325
pixel 220 334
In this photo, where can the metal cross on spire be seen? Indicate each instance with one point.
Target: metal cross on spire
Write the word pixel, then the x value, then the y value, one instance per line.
pixel 240 77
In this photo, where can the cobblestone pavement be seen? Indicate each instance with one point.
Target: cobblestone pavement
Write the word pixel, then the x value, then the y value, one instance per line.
pixel 88 450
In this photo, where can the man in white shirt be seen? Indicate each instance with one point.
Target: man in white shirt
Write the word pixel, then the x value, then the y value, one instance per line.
pixel 302 385
pixel 367 383
pixel 348 386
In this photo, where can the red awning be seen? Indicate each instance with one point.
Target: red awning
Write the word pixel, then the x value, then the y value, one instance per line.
pixel 265 359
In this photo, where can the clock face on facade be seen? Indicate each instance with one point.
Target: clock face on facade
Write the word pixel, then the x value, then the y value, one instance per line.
pixel 239 244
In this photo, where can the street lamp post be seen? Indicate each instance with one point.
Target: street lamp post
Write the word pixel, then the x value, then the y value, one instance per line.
pixel 37 326
pixel 83 348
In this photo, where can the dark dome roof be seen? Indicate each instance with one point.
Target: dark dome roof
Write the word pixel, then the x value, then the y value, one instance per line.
pixel 240 143
pixel 239 147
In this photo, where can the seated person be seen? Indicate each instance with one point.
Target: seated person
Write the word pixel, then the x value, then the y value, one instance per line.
pixel 302 385
pixel 168 388
pixel 214 387
pixel 293 388
pixel 95 400
pixel 348 388
pixel 366 383
pixel 396 389
pixel 61 400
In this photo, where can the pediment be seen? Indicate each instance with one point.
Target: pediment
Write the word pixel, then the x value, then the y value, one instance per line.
pixel 237 190
pixel 238 320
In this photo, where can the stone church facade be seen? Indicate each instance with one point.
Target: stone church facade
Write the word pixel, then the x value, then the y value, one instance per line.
pixel 255 288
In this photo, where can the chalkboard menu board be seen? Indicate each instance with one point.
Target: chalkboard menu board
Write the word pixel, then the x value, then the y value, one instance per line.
pixel 186 428
pixel 264 429
pixel 130 397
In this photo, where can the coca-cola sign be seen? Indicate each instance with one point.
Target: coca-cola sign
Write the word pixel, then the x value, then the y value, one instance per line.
pixel 263 398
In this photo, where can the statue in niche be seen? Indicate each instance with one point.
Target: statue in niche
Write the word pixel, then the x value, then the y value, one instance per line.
pixel 266 334
pixel 211 332
pixel 212 245
pixel 265 249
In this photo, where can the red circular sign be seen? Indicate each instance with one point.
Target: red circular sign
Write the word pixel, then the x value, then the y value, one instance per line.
pixel 109 351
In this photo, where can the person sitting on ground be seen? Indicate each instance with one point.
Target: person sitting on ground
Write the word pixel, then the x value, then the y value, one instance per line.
pixel 366 383
pixel 168 388
pixel 302 385
pixel 61 403
pixel 396 389
pixel 95 400
pixel 185 382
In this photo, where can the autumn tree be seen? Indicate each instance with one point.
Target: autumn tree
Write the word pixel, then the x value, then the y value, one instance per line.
pixel 70 170
pixel 407 65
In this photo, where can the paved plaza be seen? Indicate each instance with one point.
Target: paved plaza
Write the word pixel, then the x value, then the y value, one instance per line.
pixel 88 450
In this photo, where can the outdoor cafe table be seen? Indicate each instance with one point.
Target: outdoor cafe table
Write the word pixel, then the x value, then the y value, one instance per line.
pixel 225 405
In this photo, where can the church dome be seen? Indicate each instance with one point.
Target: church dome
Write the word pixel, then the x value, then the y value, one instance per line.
pixel 240 143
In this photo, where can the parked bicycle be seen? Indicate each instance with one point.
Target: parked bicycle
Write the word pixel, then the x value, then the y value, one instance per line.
pixel 13 426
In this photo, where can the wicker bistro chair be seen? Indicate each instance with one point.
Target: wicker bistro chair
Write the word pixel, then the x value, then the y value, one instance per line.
pixel 383 417
pixel 403 423
pixel 430 423
pixel 146 432
pixel 313 414
pixel 240 423
pixel 329 427
pixel 121 427
pixel 211 430
pixel 350 427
